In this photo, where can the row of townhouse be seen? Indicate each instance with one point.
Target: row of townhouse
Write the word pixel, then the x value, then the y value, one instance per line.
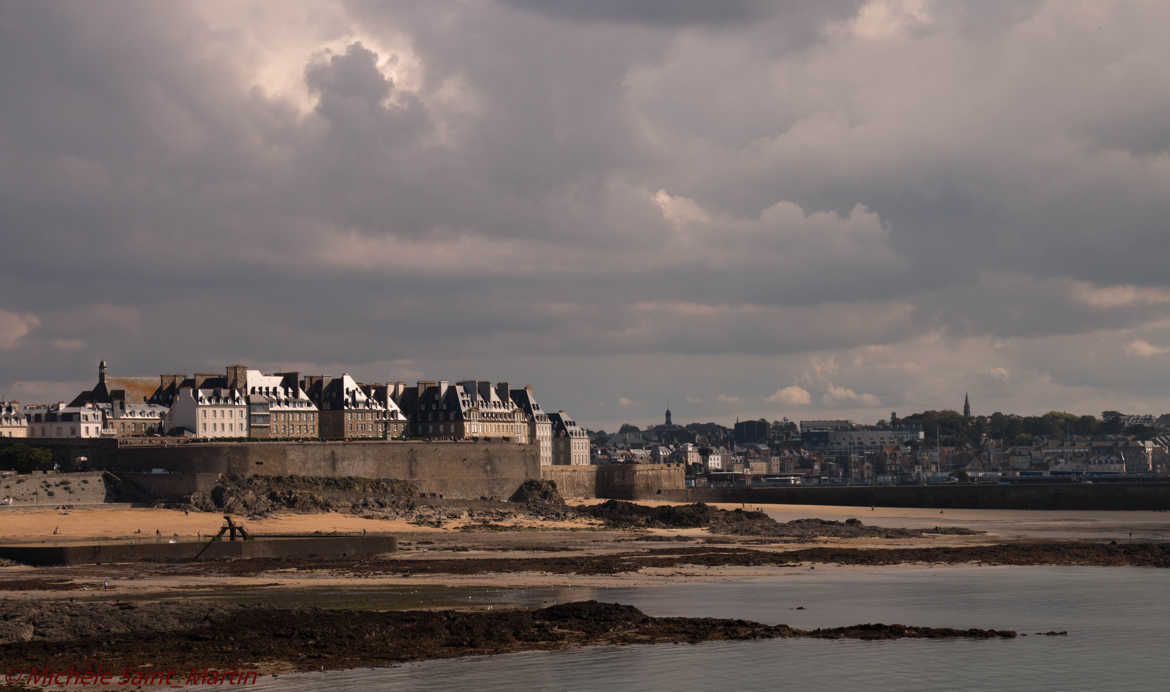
pixel 245 403
pixel 1117 455
pixel 59 420
pixel 481 410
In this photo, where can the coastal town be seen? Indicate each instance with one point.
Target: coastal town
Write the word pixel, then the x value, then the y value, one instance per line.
pixel 244 404
pixel 930 447
pixel 584 345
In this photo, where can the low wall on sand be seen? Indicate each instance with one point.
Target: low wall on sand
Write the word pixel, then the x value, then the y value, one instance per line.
pixel 290 548
pixel 1096 496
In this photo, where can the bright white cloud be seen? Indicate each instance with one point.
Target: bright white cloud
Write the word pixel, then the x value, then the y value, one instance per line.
pixel 884 19
pixel 1144 349
pixel 838 395
pixel 791 395
pixel 680 210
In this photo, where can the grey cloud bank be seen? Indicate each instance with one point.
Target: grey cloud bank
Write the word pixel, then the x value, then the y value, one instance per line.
pixel 618 202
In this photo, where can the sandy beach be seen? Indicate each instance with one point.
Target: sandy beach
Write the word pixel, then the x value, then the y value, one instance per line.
pixel 463 543
pixel 57 525
pixel 467 564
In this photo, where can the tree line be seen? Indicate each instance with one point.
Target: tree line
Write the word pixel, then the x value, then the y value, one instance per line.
pixel 958 430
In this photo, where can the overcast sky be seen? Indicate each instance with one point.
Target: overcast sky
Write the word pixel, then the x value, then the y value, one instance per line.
pixel 744 208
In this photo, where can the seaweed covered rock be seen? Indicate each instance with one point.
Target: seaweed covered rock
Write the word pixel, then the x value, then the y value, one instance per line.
pixel 626 515
pixel 259 495
pixel 543 492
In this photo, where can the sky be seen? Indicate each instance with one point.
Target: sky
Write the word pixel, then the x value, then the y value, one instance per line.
pixel 743 209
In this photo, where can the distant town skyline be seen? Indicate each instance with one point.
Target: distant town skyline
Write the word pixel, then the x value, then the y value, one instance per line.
pixel 834 209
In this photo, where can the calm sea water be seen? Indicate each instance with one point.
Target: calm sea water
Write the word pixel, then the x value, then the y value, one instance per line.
pixel 1118 623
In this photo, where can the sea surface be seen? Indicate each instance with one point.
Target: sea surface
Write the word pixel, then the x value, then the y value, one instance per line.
pixel 1117 619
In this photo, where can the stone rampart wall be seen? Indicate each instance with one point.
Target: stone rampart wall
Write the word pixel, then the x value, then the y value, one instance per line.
pixel 616 481
pixel 452 469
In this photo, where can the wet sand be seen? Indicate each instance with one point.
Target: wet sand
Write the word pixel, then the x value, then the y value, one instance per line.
pixel 1010 524
pixel 73 525
pixel 38 525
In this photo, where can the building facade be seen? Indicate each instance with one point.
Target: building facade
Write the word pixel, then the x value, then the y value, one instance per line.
pixel 209 413
pixel 751 431
pixel 278 408
pixel 63 421
pixel 125 419
pixel 396 422
pixel 13 422
pixel 345 411
pixel 570 442
pixel 467 410
pixel 712 458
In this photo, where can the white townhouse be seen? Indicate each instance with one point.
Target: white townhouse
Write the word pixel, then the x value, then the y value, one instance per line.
pixel 61 421
pixel 13 421
pixel 209 413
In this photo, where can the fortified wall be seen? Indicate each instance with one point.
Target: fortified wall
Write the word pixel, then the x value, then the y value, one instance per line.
pixel 459 470
pixel 616 481
pixel 467 470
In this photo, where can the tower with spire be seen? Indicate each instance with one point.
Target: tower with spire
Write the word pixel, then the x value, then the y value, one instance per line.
pixel 668 423
pixel 966 406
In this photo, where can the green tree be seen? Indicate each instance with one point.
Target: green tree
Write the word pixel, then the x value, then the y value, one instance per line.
pixel 1141 432
pixel 1111 422
pixel 25 459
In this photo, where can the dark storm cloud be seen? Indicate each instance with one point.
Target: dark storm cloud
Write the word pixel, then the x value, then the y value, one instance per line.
pixel 541 190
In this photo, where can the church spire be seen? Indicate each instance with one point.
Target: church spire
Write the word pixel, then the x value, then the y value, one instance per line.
pixel 966 406
pixel 668 423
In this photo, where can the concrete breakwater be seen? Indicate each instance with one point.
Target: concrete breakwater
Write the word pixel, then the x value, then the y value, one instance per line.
pixel 1098 496
pixel 306 547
